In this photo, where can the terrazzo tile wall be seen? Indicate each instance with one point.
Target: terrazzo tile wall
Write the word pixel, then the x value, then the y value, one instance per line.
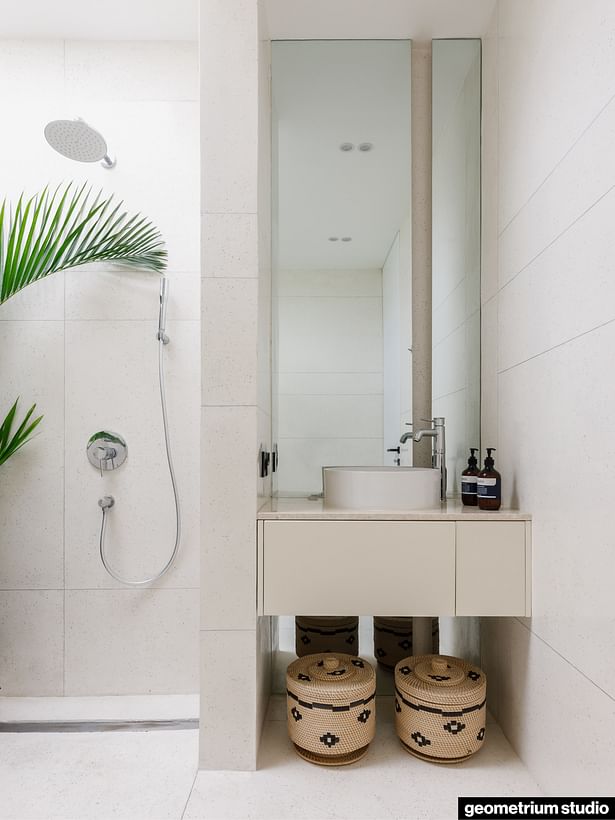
pixel 82 346
pixel 548 319
pixel 236 358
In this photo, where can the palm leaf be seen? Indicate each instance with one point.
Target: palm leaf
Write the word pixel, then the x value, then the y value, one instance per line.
pixel 11 441
pixel 57 230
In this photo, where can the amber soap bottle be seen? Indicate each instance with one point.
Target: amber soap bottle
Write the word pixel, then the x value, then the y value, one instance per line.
pixel 469 479
pixel 489 485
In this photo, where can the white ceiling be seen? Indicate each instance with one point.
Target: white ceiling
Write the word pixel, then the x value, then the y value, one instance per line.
pixel 324 94
pixel 387 19
pixel 287 19
pixel 108 20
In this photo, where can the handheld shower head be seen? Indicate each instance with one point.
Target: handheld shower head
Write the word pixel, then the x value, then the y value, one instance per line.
pixel 77 140
pixel 162 315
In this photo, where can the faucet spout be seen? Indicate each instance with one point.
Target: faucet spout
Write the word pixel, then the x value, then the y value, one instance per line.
pixel 418 436
pixel 438 450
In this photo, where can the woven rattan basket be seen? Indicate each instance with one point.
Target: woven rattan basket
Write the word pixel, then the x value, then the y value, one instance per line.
pixel 331 707
pixel 393 639
pixel 326 634
pixel 440 707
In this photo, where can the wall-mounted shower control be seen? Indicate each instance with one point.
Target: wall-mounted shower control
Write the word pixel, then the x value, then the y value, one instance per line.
pixel 106 451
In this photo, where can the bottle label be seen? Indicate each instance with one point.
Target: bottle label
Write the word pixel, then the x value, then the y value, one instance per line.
pixel 489 488
pixel 468 484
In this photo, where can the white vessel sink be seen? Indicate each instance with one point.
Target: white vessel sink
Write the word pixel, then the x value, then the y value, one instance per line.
pixel 381 488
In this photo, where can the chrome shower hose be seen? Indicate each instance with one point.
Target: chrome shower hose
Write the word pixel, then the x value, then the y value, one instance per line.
pixel 107 502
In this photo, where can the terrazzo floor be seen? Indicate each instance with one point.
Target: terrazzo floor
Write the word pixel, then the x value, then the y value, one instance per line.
pixel 153 774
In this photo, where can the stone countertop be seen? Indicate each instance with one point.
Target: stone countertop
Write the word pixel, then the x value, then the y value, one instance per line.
pixel 303 509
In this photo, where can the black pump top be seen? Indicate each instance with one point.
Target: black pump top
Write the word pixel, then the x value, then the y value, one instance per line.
pixel 489 462
pixel 472 462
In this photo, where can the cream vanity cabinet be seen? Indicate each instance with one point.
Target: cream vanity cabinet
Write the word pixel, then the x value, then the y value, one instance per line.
pixel 394 567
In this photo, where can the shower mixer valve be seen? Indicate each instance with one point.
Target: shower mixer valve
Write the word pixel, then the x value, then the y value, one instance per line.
pixel 106 451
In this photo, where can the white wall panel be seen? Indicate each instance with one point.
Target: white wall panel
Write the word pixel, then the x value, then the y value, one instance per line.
pixel 550 401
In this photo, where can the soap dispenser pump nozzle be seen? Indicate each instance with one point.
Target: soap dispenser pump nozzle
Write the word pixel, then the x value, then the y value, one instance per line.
pixel 489 462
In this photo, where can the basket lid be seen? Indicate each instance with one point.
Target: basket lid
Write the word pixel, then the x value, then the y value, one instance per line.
pixel 331 675
pixel 441 679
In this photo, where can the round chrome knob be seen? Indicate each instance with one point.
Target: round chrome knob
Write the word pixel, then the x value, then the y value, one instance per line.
pixel 106 451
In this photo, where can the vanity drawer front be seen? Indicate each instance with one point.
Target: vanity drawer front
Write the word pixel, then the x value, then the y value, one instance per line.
pixel 492 568
pixel 356 567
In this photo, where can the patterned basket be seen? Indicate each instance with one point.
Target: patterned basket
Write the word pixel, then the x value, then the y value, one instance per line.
pixel 393 639
pixel 440 707
pixel 326 634
pixel 331 707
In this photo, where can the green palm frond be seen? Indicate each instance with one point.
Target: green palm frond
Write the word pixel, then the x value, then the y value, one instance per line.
pixel 69 227
pixel 11 441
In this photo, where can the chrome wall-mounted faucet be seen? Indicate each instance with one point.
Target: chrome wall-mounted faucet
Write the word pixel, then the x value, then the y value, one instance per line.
pixel 438 449
pixel 106 451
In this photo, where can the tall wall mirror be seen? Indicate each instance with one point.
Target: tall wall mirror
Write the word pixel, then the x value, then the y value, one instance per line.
pixel 342 255
pixel 342 261
pixel 455 366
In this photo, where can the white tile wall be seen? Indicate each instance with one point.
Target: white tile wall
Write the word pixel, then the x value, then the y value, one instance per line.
pixel 229 348
pixel 572 187
pixel 84 342
pixel 573 602
pixel 21 60
pixel 550 328
pixel 42 301
pixel 566 291
pixel 560 52
pixel 228 699
pixel 124 70
pixel 31 642
pixel 123 641
pixel 229 245
pixel 228 563
pixel 110 295
pixel 535 687
pixel 144 512
pixel 32 481
pixel 230 148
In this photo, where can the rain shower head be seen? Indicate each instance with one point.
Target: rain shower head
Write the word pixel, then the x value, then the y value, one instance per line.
pixel 77 140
